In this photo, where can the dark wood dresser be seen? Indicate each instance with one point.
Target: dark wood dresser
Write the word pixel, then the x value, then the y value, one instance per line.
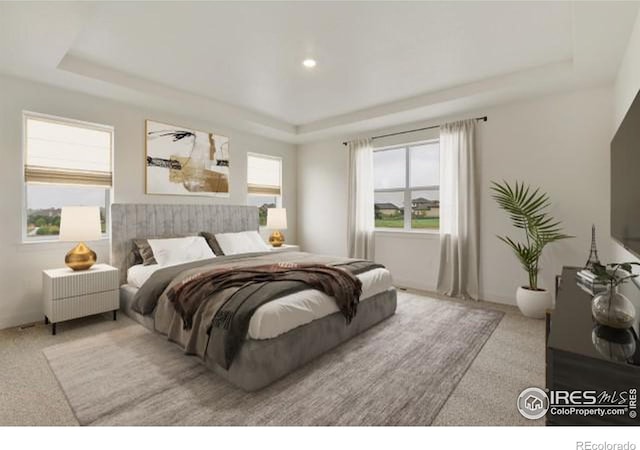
pixel 581 355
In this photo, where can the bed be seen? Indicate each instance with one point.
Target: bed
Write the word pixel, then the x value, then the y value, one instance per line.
pixel 282 334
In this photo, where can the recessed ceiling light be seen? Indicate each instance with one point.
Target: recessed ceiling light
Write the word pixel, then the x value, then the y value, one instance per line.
pixel 309 63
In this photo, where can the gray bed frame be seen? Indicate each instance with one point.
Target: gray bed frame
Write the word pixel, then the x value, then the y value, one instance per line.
pixel 259 362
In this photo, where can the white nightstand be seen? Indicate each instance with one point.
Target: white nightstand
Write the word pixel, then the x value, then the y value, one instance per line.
pixel 286 248
pixel 69 295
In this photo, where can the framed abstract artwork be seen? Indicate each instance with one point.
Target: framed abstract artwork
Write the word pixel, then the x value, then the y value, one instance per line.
pixel 183 161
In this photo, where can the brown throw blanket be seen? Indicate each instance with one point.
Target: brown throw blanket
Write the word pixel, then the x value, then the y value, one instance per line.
pixel 334 281
pixel 256 286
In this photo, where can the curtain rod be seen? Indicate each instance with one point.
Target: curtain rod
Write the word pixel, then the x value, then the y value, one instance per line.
pixel 483 118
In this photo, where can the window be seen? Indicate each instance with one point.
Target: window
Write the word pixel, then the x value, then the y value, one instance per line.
pixel 66 163
pixel 407 186
pixel 264 183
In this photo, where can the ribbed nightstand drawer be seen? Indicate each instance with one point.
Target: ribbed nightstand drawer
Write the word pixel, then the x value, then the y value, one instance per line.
pixel 63 283
pixel 81 306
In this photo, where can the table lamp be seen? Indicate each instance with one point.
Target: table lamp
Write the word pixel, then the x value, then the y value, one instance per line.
pixel 80 224
pixel 276 220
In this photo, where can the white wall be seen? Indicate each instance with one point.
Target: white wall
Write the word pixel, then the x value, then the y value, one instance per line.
pixel 627 82
pixel 412 258
pixel 558 142
pixel 322 197
pixel 625 90
pixel 21 264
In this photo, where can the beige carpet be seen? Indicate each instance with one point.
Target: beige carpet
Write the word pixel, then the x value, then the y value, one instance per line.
pixel 400 372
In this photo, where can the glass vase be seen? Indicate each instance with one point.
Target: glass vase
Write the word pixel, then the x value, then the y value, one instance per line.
pixel 614 344
pixel 612 309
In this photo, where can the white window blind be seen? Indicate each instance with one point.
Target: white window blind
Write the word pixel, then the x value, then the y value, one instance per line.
pixel 67 153
pixel 264 175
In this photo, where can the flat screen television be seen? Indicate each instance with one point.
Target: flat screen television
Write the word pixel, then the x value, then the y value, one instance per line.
pixel 625 180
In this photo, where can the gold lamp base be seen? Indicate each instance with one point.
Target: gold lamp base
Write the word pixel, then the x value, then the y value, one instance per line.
pixel 276 239
pixel 80 257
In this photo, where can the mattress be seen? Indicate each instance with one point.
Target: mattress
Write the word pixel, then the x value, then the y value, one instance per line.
pixel 284 314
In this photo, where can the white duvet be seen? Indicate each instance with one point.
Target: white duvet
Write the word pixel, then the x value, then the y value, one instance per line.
pixel 279 316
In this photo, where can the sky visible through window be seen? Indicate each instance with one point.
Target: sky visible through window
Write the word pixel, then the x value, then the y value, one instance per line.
pixel 389 169
pixel 50 196
pixel 425 165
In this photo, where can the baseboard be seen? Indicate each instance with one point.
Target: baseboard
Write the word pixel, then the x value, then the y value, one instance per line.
pixel 400 283
pixel 23 318
pixel 498 298
pixel 428 288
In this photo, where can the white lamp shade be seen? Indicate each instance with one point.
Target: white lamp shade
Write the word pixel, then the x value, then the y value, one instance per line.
pixel 277 218
pixel 80 223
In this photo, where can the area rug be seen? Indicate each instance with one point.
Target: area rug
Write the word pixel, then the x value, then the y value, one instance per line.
pixel 400 372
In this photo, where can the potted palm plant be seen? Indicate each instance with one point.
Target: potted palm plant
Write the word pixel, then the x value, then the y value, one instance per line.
pixel 526 208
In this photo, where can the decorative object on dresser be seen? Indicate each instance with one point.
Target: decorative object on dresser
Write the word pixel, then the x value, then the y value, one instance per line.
pixel 526 207
pixel 276 221
pixel 588 282
pixel 611 308
pixel 183 161
pixel 69 295
pixel 80 224
pixel 593 253
pixel 582 355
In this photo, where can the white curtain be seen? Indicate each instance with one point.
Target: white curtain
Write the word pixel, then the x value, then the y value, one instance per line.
pixel 458 274
pixel 360 223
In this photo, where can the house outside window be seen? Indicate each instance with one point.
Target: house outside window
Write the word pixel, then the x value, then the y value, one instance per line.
pixel 407 187
pixel 66 163
pixel 264 183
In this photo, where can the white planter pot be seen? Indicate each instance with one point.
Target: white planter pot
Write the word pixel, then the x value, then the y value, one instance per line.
pixel 533 303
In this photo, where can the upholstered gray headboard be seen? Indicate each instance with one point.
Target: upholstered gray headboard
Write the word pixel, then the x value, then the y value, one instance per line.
pixel 131 221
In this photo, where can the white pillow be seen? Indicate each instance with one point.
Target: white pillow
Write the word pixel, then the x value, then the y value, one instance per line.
pixel 242 242
pixel 139 274
pixel 180 250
